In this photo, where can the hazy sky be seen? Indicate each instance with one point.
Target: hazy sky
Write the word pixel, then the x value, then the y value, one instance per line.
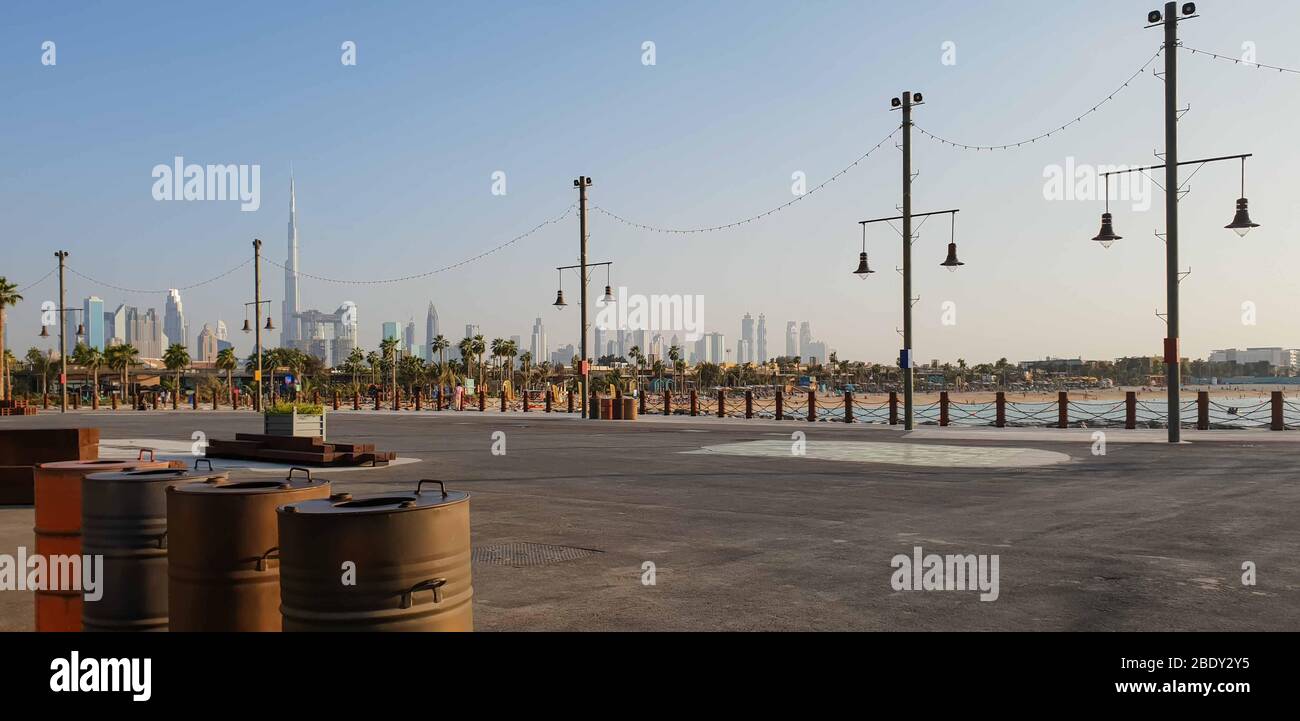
pixel 394 160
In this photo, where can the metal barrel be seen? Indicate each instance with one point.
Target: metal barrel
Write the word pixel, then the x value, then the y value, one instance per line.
pixel 223 565
pixel 124 519
pixel 377 562
pixel 57 488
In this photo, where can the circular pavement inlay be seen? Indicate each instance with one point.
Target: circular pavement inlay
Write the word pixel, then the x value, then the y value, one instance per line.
pixel 903 454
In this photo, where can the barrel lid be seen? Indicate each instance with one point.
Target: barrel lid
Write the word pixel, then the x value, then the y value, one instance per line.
pixel 105 464
pixel 220 484
pixel 157 474
pixel 371 503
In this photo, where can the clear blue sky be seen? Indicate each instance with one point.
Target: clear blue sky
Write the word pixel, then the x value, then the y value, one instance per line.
pixel 394 157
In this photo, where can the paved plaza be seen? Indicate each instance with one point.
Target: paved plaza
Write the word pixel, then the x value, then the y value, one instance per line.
pixel 756 525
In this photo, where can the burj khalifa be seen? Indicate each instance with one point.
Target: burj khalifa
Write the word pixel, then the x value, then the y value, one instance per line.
pixel 290 335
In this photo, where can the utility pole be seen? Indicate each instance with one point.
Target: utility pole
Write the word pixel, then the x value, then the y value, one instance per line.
pixel 62 255
pixel 582 183
pixel 257 318
pixel 1172 369
pixel 906 356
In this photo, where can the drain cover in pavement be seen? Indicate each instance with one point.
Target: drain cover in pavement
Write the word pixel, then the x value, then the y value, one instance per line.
pixel 529 554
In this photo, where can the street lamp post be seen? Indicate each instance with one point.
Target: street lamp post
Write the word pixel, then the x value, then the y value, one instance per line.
pixel 62 255
pixel 1168 21
pixel 560 304
pixel 256 328
pixel 906 361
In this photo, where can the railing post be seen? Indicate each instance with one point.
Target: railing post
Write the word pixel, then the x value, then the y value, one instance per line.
pixel 378 396
pixel 1202 410
pixel 336 399
pixel 45 401
pixel 780 404
pixel 113 398
pixel 1130 410
pixel 549 393
pixel 356 400
pixel 812 405
pixel 418 399
pixel 482 400
pixel 749 403
pixel 668 403
pixel 695 403
pixel 570 402
pixel 848 406
pixel 525 400
pixel 155 400
pixel 893 408
pixel 315 397
pixel 214 400
pixel 722 403
pixel 397 398
pixel 194 400
pixel 640 401
pixel 1279 422
pixel 94 400
pixel 1063 409
pixel 943 408
pixel 1001 399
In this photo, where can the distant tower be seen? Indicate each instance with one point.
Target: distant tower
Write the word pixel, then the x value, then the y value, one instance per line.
pixel 430 332
pixel 791 340
pixel 289 335
pixel 745 350
pixel 762 338
pixel 174 326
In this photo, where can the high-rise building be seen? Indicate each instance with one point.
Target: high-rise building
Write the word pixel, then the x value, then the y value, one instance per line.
pixel 207 351
pixel 430 332
pixel 761 346
pixel 563 356
pixel 791 340
pixel 119 330
pixel 290 332
pixel 93 312
pixel 600 342
pixel 392 330
pixel 221 331
pixel 174 325
pixel 816 352
pixel 147 334
pixel 408 341
pixel 805 338
pixel 717 347
pixel 746 344
pixel 537 346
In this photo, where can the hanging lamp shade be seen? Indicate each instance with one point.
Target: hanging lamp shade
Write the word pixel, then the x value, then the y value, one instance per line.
pixel 269 326
pixel 45 331
pixel 559 299
pixel 1241 221
pixel 951 261
pixel 247 327
pixel 1107 234
pixel 863 268
pixel 609 294
pixel 81 330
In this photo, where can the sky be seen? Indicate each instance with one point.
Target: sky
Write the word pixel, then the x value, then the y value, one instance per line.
pixel 394 160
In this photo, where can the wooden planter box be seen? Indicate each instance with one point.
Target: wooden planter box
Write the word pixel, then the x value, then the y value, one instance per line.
pixel 293 424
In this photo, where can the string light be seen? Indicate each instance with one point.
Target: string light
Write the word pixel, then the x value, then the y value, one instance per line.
pixel 1050 133
pixel 760 216
pixel 1239 61
pixel 74 271
pixel 37 282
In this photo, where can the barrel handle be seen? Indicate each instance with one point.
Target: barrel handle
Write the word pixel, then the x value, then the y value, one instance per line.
pixel 202 460
pixel 419 485
pixel 272 552
pixel 162 539
pixel 298 468
pixel 140 456
pixel 434 584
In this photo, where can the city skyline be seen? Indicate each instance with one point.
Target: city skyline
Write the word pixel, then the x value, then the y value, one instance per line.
pixel 1031 288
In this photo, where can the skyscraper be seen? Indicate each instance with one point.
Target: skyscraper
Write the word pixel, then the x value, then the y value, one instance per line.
pixel 430 332
pixel 93 312
pixel 408 341
pixel 222 333
pixel 207 351
pixel 146 332
pixel 791 340
pixel 120 332
pixel 805 339
pixel 761 348
pixel 599 341
pixel 289 331
pixel 391 330
pixel 174 326
pixel 746 345
pixel 537 346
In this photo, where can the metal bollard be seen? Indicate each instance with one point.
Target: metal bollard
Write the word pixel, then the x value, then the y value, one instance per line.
pixel 943 408
pixel 848 406
pixel 893 408
pixel 1202 410
pixel 1130 410
pixel 722 403
pixel 1063 409
pixel 812 405
pixel 1001 400
pixel 749 403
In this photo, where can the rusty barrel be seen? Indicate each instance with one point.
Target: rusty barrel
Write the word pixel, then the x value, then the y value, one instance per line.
pixel 223 566
pixel 124 519
pixel 377 562
pixel 58 529
pixel 629 409
pixel 606 409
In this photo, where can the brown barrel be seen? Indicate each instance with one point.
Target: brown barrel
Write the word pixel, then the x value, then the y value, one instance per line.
pixel 124 519
pixel 606 409
pixel 629 408
pixel 58 528
pixel 409 555
pixel 222 559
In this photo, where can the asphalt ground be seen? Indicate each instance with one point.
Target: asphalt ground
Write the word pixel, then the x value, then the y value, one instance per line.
pixel 1147 536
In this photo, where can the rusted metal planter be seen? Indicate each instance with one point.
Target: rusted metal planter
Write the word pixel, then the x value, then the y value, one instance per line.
pixel 293 424
pixel 223 564
pixel 409 555
pixel 124 519
pixel 58 528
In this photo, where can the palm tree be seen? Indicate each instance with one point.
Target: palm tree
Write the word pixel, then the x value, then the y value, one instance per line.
pixel 227 361
pixel 637 359
pixel 120 358
pixel 91 359
pixel 525 360
pixel 372 360
pixel 38 362
pixel 177 358
pixel 466 348
pixel 674 355
pixel 354 365
pixel 479 348
pixel 497 349
pixel 440 346
pixel 8 296
pixel 388 353
pixel 10 361
pixel 509 350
